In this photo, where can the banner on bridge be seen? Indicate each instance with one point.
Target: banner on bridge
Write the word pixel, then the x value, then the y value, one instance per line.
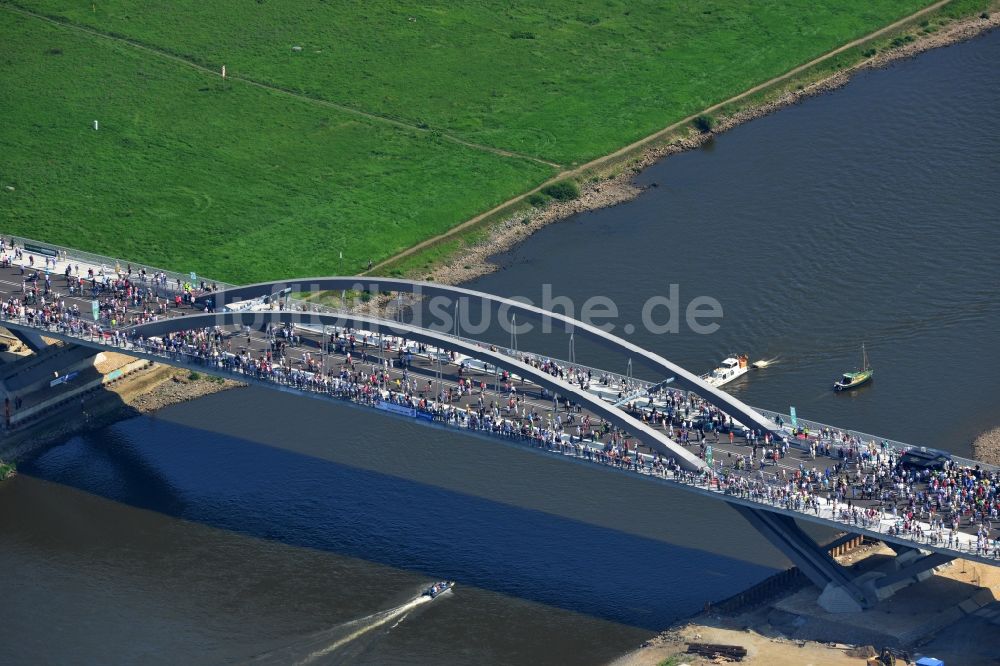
pixel 396 409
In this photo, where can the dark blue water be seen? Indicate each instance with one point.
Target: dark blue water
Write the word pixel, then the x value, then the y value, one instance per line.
pixel 255 523
pixel 268 492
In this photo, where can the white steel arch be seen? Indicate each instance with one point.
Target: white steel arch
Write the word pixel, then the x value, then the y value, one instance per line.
pixel 683 378
pixel 652 438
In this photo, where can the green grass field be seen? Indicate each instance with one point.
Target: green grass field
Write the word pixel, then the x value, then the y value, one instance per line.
pixel 241 183
pixel 593 76
pixel 228 180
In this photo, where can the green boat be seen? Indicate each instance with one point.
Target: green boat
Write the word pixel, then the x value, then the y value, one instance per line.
pixel 852 380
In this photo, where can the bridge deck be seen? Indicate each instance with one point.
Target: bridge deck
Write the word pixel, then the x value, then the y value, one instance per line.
pixel 771 487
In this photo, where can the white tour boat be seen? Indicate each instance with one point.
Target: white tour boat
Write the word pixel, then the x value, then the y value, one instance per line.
pixel 731 368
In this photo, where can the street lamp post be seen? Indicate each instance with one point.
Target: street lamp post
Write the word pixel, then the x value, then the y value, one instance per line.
pixel 322 346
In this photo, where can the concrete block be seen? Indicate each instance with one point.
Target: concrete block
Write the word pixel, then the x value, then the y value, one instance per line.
pixel 835 599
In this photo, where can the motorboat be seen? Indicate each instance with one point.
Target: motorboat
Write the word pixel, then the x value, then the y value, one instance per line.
pixel 731 368
pixel 851 380
pixel 438 588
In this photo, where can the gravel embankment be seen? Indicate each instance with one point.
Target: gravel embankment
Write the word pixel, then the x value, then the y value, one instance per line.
pixel 177 388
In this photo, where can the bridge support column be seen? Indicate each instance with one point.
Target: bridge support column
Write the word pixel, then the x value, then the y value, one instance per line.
pixel 841 593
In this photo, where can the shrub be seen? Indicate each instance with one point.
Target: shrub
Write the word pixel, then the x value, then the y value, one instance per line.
pixel 194 376
pixel 704 123
pixel 564 190
pixel 537 199
pixel 522 34
pixel 868 53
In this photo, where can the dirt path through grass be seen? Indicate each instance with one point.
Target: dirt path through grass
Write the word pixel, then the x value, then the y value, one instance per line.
pixel 276 89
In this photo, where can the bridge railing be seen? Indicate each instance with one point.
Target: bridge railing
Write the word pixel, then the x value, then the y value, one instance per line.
pixel 113 265
pixel 108 263
pixel 100 261
pixel 815 428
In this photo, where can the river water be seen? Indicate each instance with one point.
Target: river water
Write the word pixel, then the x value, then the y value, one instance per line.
pixel 253 526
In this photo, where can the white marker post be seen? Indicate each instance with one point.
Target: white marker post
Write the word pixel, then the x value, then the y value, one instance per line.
pixel 95 126
pixel 223 71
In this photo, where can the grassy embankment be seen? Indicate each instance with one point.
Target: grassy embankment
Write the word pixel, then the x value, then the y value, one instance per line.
pixel 232 181
pixel 240 182
pixel 424 260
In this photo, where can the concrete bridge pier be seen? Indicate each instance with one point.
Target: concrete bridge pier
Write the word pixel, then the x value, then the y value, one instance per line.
pixel 841 593
pixel 842 590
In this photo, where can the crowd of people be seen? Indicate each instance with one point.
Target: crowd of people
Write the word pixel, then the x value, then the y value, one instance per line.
pixel 124 297
pixel 861 482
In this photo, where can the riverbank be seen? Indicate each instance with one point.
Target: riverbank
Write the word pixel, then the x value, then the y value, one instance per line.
pixel 952 616
pixel 464 254
pixel 174 387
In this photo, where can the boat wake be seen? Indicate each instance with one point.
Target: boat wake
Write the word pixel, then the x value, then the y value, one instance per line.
pixel 328 641
pixel 765 363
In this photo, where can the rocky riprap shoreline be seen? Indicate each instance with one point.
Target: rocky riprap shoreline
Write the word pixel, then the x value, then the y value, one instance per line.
pixel 178 388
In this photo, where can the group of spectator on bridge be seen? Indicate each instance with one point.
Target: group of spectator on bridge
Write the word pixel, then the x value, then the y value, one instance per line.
pixel 863 483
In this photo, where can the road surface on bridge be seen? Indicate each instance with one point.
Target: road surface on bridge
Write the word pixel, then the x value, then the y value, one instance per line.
pixel 15 283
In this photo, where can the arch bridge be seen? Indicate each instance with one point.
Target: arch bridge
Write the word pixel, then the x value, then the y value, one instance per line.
pixel 759 497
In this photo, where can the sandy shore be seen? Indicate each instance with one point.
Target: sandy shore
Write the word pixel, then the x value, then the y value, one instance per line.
pixel 618 186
